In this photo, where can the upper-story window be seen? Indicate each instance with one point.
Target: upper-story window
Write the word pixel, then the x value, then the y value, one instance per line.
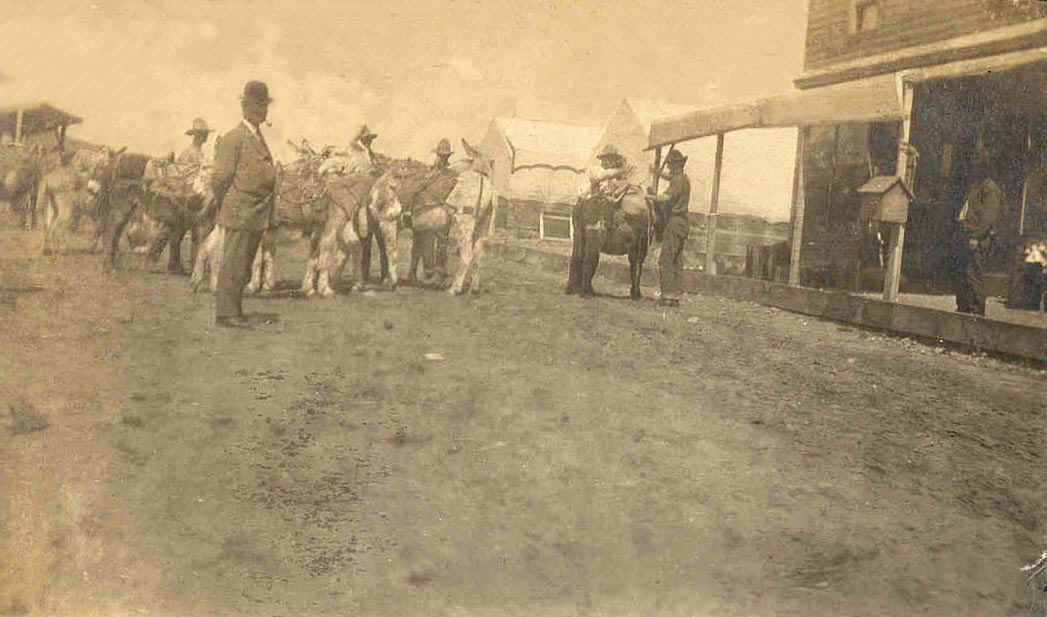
pixel 865 15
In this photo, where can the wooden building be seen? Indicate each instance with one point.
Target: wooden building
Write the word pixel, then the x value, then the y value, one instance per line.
pixel 34 124
pixel 914 89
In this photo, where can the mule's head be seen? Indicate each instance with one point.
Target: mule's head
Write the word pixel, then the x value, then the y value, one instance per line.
pixel 477 161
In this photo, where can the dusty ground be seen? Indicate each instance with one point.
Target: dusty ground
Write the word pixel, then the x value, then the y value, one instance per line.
pixel 565 457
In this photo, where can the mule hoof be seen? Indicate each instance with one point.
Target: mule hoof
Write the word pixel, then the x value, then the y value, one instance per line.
pixel 454 292
pixel 475 290
pixel 327 293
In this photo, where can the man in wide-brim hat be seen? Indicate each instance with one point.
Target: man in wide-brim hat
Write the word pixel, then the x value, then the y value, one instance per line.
pixel 674 204
pixel 194 153
pixel 244 183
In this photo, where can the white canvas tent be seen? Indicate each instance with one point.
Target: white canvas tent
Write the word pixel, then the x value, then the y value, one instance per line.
pixel 537 163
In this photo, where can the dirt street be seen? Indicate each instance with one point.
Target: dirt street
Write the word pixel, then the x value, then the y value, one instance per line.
pixel 516 452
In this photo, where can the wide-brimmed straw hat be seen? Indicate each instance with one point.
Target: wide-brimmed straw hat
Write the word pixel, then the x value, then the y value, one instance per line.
pixel 675 158
pixel 364 133
pixel 256 91
pixel 199 127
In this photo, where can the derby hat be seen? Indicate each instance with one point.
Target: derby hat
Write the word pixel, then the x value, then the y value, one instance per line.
pixel 256 91
pixel 199 127
pixel 444 147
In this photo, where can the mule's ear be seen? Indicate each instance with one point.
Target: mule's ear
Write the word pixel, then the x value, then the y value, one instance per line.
pixel 470 151
pixel 118 152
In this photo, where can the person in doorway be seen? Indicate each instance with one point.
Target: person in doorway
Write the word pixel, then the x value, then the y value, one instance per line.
pixel 244 183
pixel 674 204
pixel 977 219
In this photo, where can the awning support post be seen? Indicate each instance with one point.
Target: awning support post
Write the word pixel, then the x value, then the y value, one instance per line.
pixel 894 260
pixel 714 207
pixel 797 209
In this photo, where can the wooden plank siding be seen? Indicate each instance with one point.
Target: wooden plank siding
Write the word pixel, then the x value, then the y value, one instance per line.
pixel 903 24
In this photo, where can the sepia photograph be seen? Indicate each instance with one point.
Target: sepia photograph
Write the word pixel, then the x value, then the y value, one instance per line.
pixel 565 308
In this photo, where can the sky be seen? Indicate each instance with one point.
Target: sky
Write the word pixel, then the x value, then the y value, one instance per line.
pixel 139 71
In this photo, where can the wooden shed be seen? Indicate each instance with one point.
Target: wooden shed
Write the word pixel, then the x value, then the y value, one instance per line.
pixel 35 123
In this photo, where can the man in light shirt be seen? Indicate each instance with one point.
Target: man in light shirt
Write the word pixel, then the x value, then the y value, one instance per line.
pixel 194 153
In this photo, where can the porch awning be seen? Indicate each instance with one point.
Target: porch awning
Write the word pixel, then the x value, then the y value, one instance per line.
pixel 867 100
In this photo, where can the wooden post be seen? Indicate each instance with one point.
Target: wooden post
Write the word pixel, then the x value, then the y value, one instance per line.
pixel 1025 179
pixel 797 210
pixel 657 174
pixel 894 260
pixel 714 206
pixel 19 117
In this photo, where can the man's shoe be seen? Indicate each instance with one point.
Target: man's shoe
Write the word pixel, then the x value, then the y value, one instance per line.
pixel 669 302
pixel 233 322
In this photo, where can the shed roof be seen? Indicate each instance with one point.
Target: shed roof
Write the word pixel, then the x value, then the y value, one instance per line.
pixel 882 184
pixel 36 117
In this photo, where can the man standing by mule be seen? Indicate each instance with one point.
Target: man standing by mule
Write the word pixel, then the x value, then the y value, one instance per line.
pixel 674 205
pixel 244 182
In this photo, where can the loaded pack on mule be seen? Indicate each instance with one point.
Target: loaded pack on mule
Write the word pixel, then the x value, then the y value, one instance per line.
pixel 171 197
pixel 611 217
pixel 337 206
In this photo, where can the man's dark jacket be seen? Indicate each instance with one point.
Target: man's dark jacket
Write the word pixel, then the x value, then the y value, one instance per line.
pixel 244 181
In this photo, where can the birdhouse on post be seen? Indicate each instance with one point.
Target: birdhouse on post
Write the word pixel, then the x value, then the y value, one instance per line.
pixel 886 199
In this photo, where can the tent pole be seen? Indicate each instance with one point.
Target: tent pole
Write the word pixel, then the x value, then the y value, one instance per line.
pixel 894 261
pixel 797 209
pixel 714 207
pixel 19 117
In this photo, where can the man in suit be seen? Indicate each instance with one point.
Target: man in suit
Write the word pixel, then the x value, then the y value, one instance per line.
pixel 244 182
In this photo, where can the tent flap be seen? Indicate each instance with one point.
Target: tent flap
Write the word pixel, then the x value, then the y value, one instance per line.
pixel 868 100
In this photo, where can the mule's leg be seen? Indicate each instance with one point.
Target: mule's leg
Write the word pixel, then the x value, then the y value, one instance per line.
pixel 478 254
pixel 576 264
pixel 383 252
pixel 363 273
pixel 593 243
pixel 389 242
pixel 269 262
pixel 416 256
pixel 255 283
pixel 329 254
pixel 464 236
pixel 174 251
pixel 203 254
pixel 356 238
pixel 634 274
pixel 50 214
